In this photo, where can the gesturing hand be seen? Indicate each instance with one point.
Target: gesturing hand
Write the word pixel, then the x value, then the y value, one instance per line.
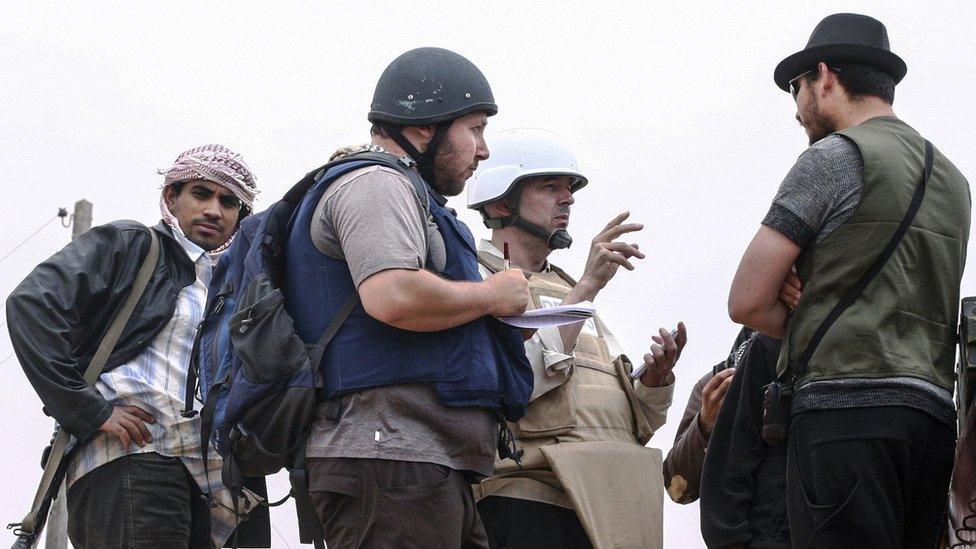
pixel 606 255
pixel 128 423
pixel 663 356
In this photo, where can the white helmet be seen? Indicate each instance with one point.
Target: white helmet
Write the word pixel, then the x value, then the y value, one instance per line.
pixel 517 155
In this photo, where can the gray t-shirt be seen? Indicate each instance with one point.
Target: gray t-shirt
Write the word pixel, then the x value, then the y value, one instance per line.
pixel 819 194
pixel 372 218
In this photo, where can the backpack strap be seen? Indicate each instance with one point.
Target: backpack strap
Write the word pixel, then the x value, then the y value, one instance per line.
pixel 402 165
pixel 794 372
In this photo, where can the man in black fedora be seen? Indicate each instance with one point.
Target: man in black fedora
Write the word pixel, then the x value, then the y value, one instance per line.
pixel 868 351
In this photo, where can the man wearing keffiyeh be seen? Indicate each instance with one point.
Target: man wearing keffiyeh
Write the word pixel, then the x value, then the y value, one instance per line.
pixel 137 477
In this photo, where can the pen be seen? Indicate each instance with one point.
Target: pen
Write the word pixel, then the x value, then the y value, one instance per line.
pixel 643 367
pixel 505 256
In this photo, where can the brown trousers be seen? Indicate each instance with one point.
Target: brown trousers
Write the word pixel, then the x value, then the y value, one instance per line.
pixel 384 503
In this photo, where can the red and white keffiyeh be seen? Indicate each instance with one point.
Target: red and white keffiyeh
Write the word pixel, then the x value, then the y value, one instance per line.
pixel 214 163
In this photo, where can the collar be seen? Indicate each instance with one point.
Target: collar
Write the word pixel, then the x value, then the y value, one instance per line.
pixel 193 251
pixel 489 248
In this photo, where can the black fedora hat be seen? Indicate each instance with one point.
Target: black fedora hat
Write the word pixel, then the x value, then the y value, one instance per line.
pixel 843 37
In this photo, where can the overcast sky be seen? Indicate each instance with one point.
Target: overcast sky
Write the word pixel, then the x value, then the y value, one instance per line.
pixel 671 109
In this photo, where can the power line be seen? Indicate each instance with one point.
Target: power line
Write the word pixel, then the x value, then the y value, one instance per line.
pixel 4 359
pixel 30 236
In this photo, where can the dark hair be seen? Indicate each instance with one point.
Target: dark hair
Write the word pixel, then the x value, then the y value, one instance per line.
pixel 378 130
pixel 177 187
pixel 861 80
pixel 513 197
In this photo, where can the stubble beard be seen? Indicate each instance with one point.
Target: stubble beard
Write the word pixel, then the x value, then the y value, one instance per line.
pixel 817 124
pixel 449 178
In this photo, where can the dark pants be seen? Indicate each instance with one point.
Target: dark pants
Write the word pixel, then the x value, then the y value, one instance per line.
pixel 868 477
pixel 140 500
pixel 384 503
pixel 521 524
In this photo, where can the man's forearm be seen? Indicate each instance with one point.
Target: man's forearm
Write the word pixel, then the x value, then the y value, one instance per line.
pixel 569 333
pixel 754 296
pixel 421 301
pixel 770 320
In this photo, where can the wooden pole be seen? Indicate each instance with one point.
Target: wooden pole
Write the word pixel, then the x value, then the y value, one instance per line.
pixel 57 521
pixel 82 219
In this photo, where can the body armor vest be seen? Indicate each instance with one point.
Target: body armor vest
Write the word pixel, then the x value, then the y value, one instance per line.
pixel 596 403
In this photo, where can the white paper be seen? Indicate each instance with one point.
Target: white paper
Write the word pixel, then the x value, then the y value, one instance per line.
pixel 547 317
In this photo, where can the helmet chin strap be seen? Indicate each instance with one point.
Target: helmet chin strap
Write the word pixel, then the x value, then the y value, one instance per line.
pixel 424 160
pixel 556 240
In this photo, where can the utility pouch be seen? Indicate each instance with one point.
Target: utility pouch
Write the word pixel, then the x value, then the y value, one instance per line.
pixel 777 406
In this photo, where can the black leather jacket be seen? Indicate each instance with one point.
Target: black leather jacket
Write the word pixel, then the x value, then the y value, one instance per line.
pixel 58 314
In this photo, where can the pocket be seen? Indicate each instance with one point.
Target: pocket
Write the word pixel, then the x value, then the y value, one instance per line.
pixel 601 398
pixel 394 478
pixel 821 510
pixel 553 413
pixel 152 458
pixel 263 335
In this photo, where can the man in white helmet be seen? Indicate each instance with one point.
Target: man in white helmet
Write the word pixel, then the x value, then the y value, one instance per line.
pixel 585 476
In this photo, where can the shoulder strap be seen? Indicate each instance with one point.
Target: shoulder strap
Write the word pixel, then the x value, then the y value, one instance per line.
pixel 114 331
pixel 384 159
pixel 32 524
pixel 794 372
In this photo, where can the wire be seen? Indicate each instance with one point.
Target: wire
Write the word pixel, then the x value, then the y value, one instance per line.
pixel 6 358
pixel 30 236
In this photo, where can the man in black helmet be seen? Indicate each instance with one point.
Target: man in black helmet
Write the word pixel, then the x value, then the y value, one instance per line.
pixel 875 221
pixel 420 374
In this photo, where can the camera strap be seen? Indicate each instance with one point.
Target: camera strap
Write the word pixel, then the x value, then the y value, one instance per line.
pixel 794 372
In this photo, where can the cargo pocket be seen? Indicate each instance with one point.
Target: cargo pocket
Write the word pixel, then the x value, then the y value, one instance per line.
pixel 263 336
pixel 553 413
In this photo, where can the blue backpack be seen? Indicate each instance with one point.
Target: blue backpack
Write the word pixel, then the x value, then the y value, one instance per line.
pixel 258 379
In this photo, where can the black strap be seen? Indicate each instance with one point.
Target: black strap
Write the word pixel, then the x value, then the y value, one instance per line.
pixel 794 372
pixel 315 357
pixel 30 527
pixel 424 160
pixel 309 526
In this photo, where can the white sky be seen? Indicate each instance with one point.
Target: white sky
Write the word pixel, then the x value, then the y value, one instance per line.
pixel 670 106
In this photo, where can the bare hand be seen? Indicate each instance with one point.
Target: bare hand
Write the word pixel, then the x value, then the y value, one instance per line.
pixel 129 423
pixel 664 354
pixel 713 395
pixel 607 255
pixel 790 292
pixel 510 291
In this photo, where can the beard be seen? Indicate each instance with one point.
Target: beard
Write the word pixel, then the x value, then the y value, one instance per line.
pixel 816 123
pixel 450 170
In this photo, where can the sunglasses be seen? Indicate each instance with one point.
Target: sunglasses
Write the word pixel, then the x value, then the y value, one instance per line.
pixel 795 82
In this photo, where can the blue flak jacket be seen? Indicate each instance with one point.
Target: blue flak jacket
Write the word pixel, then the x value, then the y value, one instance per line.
pixel 478 364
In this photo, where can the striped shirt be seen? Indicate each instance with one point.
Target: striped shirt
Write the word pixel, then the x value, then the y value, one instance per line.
pixel 156 382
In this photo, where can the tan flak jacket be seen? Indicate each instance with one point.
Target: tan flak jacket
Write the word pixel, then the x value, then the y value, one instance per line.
pixel 585 429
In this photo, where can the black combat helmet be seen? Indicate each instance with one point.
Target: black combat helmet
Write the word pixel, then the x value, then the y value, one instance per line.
pixel 428 86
